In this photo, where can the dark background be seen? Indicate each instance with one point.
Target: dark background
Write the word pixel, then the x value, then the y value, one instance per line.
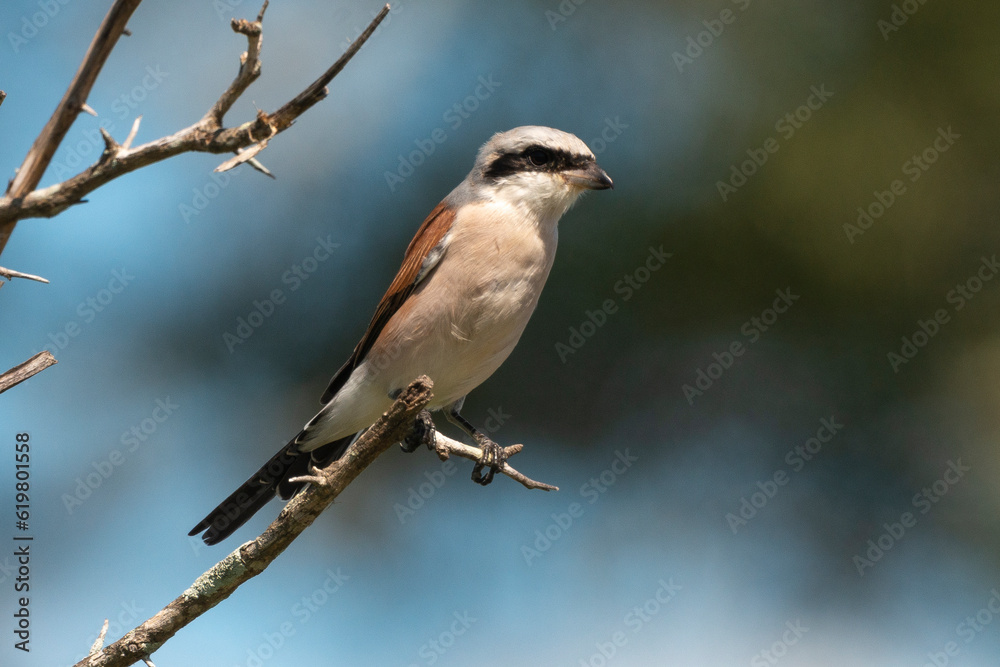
pixel 201 251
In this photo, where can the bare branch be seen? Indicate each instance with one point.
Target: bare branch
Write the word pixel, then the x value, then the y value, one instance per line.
pixel 287 114
pixel 22 372
pixel 207 135
pixel 445 446
pixel 249 66
pixel 11 273
pixel 72 103
pixel 252 558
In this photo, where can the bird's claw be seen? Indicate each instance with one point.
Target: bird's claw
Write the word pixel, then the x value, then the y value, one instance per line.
pixel 422 433
pixel 493 458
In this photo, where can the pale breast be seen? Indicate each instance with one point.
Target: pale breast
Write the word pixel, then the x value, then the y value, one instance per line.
pixel 468 314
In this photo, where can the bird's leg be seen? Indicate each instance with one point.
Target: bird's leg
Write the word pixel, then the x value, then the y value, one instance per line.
pixel 422 433
pixel 493 456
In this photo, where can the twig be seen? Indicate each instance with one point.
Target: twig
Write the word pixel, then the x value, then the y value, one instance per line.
pixel 127 144
pixel 287 114
pixel 252 558
pixel 11 273
pixel 99 642
pixel 207 135
pixel 245 155
pixel 22 372
pixel 72 103
pixel 255 163
pixel 249 65
pixel 445 446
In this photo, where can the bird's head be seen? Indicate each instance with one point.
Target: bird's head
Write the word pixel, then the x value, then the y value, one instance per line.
pixel 536 167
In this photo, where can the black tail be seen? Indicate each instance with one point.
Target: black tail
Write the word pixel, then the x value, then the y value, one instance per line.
pixel 270 480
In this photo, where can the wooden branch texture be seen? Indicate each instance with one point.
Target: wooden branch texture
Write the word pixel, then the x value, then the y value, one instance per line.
pixel 252 558
pixel 22 372
pixel 72 103
pixel 207 135
pixel 446 447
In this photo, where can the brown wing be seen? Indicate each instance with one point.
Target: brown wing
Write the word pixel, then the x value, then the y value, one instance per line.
pixel 427 238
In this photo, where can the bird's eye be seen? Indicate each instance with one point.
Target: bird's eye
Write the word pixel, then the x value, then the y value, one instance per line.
pixel 538 157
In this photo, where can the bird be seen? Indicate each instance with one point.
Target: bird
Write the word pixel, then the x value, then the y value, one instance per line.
pixel 470 280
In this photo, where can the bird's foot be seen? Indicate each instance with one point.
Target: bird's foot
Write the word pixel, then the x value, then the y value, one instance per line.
pixel 493 458
pixel 422 433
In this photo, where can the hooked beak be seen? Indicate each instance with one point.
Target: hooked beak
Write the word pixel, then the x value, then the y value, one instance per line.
pixel 590 177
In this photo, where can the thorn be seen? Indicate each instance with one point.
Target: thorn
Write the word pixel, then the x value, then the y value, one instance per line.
pixel 87 108
pixel 131 133
pixel 99 642
pixel 3 96
pixel 10 273
pixel 243 156
pixel 110 145
pixel 126 32
pixel 255 163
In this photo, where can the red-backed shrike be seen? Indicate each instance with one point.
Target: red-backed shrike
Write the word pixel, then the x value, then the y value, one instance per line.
pixel 470 279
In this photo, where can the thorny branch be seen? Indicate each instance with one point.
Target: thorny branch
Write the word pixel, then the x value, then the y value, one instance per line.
pixel 72 103
pixel 23 200
pixel 252 558
pixel 207 135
